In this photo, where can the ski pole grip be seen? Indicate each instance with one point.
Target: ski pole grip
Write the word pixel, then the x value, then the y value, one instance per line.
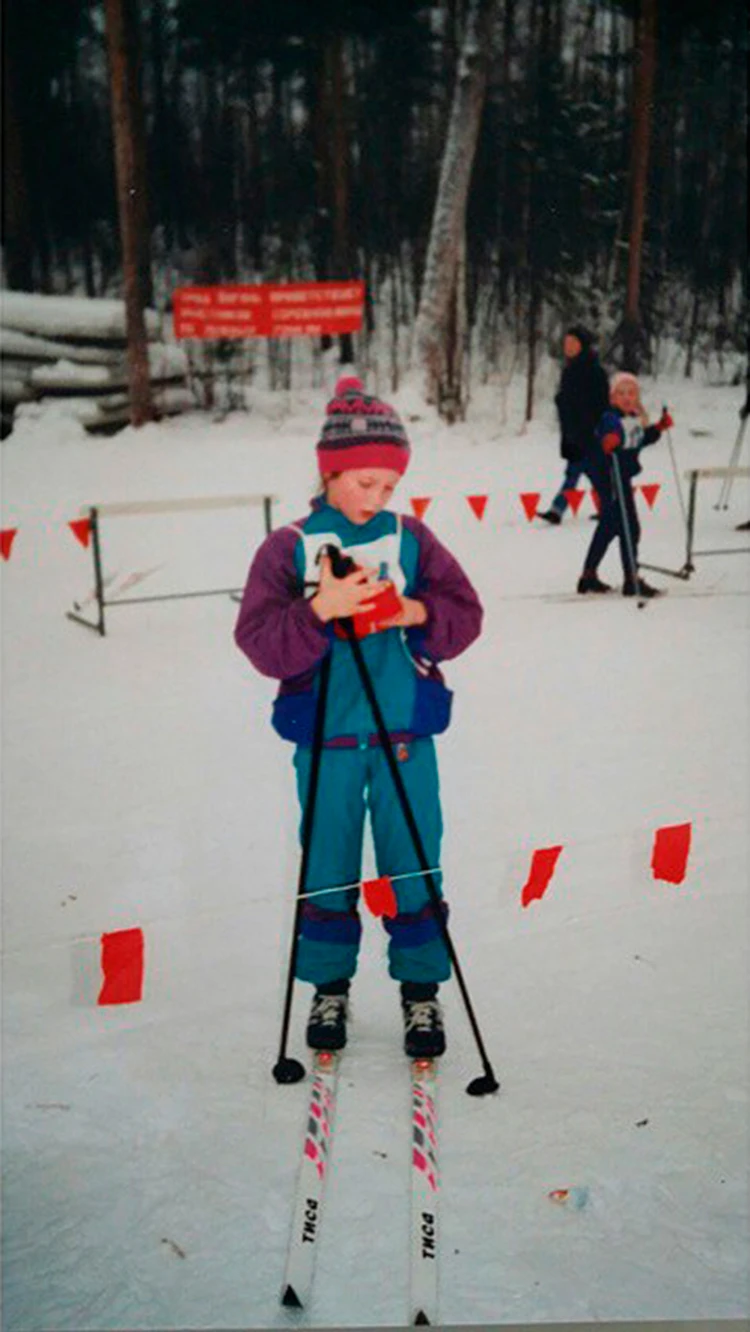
pixel 341 564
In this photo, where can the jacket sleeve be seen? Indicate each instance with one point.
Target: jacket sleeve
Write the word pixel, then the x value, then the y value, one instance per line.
pixel 276 628
pixel 610 424
pixel 454 611
pixel 651 434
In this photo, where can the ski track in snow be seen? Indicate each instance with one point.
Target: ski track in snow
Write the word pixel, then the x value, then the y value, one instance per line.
pixel 149 1158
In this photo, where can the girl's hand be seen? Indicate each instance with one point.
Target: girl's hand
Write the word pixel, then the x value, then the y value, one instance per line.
pixel 338 598
pixel 412 613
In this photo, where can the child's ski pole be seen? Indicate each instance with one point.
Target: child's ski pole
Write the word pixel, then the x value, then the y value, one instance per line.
pixel 680 496
pixel 286 1069
pixel 627 534
pixel 482 1085
pixel 726 485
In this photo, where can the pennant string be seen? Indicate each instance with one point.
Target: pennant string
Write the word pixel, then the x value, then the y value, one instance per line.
pixel 394 878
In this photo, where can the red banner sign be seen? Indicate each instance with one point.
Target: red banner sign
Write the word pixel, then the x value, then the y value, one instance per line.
pixel 269 310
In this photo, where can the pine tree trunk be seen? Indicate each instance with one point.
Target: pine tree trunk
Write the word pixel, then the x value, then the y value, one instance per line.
pixel 340 176
pixel 129 210
pixel 17 229
pixel 448 222
pixel 633 337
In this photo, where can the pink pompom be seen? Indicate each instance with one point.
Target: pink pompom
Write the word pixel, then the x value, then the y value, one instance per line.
pixel 348 384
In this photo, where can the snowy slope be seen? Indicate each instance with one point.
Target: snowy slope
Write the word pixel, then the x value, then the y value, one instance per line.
pixel 149 1157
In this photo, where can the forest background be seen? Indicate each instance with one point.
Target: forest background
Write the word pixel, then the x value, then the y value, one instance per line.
pixel 278 140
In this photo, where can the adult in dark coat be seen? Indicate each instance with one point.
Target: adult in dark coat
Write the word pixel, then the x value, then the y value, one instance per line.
pixel 581 399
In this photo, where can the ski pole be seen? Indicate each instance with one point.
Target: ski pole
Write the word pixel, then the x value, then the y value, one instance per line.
pixel 482 1085
pixel 285 1069
pixel 678 484
pixel 627 534
pixel 726 485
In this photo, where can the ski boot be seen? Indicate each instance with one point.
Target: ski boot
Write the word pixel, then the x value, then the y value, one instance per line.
pixel 640 589
pixel 551 516
pixel 424 1034
pixel 326 1026
pixel 591 582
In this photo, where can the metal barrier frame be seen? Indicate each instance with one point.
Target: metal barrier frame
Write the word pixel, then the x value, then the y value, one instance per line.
pixel 94 513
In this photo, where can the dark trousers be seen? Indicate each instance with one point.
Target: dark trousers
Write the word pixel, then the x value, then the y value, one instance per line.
pixel 610 524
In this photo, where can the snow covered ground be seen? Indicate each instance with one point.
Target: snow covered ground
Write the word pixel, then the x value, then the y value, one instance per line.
pixel 149 1157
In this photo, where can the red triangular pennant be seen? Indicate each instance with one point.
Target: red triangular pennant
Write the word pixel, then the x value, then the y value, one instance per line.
pixel 670 853
pixel 420 506
pixel 650 492
pixel 7 537
pixel 81 530
pixel 542 868
pixel 530 503
pixel 478 504
pixel 122 967
pixel 574 498
pixel 379 897
pixel 595 500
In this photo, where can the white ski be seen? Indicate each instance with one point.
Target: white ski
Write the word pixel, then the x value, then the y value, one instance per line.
pixel 308 1205
pixel 425 1186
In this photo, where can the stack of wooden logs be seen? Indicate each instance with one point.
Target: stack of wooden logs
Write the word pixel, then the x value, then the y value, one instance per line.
pixel 65 346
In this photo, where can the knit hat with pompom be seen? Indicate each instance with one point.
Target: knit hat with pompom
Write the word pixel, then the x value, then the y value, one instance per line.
pixel 360 431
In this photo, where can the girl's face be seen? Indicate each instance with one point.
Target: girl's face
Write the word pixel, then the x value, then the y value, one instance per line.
pixel 627 397
pixel 361 493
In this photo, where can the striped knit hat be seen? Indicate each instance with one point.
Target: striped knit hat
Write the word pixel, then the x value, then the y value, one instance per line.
pixel 360 431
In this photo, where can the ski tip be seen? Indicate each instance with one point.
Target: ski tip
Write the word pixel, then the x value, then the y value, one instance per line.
pixel 421 1319
pixel 290 1299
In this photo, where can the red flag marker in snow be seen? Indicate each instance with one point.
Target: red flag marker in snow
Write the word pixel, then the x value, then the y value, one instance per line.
pixel 542 868
pixel 530 503
pixel 670 853
pixel 7 537
pixel 81 530
pixel 649 493
pixel 420 506
pixel 596 501
pixel 478 504
pixel 574 498
pixel 122 967
pixel 379 897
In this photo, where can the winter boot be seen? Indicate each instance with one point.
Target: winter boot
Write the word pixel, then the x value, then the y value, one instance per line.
pixel 551 516
pixel 424 1034
pixel 640 589
pixel 326 1027
pixel 591 582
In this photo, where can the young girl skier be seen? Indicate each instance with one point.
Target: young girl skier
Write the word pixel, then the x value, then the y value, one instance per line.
pixel 621 434
pixel 286 627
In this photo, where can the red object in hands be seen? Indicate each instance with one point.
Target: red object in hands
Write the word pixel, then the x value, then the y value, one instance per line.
pixel 665 421
pixel 611 441
pixel 670 854
pixel 122 967
pixel 385 605
pixel 379 897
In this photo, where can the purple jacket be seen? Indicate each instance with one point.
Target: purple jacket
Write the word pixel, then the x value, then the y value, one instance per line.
pixel 281 635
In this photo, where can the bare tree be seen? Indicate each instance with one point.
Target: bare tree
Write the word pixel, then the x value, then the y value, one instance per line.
pixel 437 313
pixel 632 330
pixel 130 186
pixel 17 225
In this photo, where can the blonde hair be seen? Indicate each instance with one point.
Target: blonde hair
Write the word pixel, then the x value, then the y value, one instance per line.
pixel 622 378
